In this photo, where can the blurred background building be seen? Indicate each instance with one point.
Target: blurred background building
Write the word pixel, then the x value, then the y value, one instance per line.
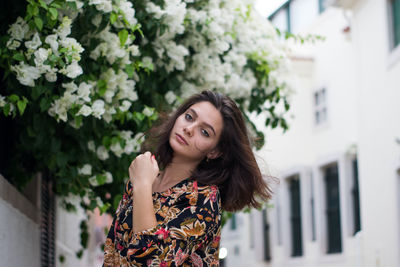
pixel 338 199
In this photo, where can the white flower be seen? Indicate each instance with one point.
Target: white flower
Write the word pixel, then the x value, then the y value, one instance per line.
pixel 102 5
pixel 97 20
pixel 85 170
pixel 52 41
pixel 147 62
pixel 51 76
pixel 74 48
pixel 84 110
pixel 147 111
pixel 98 108
pixel 117 149
pixel 109 177
pixel 99 202
pixel 129 12
pixel 73 70
pixel 125 105
pixel 156 10
pixel 102 153
pixel 70 87
pixel 126 135
pixel 13 44
pixel 19 29
pixel 107 116
pixel 91 146
pixel 26 74
pixel 84 91
pixel 2 101
pixel 170 97
pixel 40 56
pixel 93 181
pixel 65 28
pixel 34 43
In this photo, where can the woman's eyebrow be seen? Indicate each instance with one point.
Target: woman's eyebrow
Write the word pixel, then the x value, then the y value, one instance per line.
pixel 205 123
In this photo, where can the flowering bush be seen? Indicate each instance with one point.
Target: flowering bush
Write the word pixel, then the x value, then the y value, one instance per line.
pixel 85 79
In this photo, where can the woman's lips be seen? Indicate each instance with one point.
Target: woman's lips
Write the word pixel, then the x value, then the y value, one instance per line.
pixel 181 139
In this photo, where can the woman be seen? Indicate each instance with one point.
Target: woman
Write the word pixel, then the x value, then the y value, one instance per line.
pixel 173 217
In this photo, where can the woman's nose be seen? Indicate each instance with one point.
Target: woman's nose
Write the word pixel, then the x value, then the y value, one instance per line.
pixel 188 130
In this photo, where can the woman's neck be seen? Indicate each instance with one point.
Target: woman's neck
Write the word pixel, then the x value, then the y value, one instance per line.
pixel 176 171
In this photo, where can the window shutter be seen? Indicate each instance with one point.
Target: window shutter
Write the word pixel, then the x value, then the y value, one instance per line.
pixel 396 22
pixel 333 209
pixel 48 217
pixel 295 217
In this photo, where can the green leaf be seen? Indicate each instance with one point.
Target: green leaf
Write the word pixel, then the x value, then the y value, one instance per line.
pixel 43 4
pixel 55 5
pixel 19 57
pixel 130 69
pixel 54 13
pixel 35 10
pixel 104 208
pixel 44 104
pixel 123 36
pixel 106 141
pixel 102 85
pixel 101 179
pixel 61 258
pixel 113 17
pixel 21 106
pixel 39 23
pixel 6 109
pixel 13 98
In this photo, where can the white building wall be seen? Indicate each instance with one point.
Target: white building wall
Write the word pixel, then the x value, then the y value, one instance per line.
pixel 19 238
pixel 19 228
pixel 379 112
pixel 362 78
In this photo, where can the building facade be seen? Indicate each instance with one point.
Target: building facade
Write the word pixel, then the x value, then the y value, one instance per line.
pixel 338 199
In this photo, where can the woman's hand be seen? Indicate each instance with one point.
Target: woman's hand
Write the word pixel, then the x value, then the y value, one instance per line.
pixel 143 170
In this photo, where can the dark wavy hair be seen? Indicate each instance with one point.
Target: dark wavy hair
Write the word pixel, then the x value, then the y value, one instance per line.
pixel 235 171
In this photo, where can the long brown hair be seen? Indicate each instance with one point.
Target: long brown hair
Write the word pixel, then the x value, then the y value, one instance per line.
pixel 236 171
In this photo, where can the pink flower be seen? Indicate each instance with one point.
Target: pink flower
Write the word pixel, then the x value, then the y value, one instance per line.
pixel 163 264
pixel 162 233
pixel 119 246
pixel 180 257
pixel 197 262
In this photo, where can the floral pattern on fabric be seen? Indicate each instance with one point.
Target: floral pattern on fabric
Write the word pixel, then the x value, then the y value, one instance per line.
pixel 187 234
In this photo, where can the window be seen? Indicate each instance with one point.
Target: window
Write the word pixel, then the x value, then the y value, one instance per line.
pixel 395 22
pixel 267 247
pixel 355 198
pixel 295 216
pixel 312 204
pixel 324 4
pixel 233 222
pixel 332 209
pixel 320 107
pixel 281 18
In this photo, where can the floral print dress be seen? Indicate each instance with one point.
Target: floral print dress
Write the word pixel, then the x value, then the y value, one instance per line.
pixel 187 234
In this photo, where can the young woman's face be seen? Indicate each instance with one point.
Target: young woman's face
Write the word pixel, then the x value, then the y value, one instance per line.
pixel 196 132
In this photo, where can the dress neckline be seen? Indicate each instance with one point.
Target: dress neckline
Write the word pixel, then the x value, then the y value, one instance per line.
pixel 180 184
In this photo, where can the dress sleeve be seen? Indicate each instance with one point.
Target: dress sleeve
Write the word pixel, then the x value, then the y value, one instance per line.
pixel 111 256
pixel 188 226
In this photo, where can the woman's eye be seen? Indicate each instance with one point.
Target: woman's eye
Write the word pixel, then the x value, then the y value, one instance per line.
pixel 188 117
pixel 204 132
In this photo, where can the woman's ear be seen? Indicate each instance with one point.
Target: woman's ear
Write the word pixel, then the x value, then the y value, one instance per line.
pixel 213 154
